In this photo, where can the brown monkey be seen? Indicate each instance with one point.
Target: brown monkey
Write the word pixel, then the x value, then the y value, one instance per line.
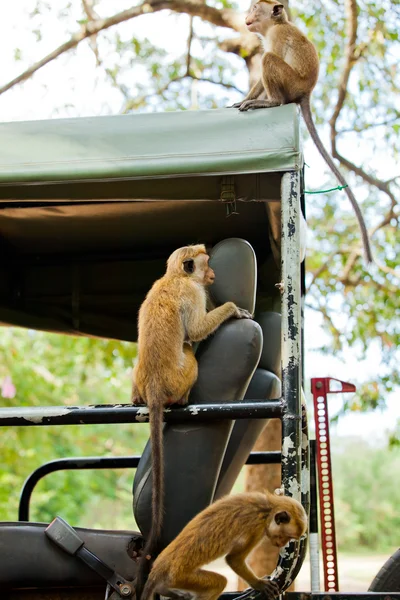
pixel 230 527
pixel 171 317
pixel 290 68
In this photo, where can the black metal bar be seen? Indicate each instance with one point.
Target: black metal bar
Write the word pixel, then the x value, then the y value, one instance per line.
pixel 253 595
pixel 264 458
pixel 104 462
pixel 305 486
pixel 126 413
pixel 71 464
pixel 342 596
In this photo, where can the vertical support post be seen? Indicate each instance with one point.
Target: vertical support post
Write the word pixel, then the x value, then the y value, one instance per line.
pixel 291 335
pixel 313 523
pixel 292 555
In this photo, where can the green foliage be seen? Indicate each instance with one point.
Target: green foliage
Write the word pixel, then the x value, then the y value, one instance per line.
pixel 367 496
pixel 49 370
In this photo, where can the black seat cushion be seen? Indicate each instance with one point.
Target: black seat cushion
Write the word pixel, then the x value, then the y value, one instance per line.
pixel 265 385
pixel 30 559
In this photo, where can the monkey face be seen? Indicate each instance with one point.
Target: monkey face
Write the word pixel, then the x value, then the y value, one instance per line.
pixel 209 275
pixel 285 526
pixel 198 268
pixel 262 14
pixel 204 271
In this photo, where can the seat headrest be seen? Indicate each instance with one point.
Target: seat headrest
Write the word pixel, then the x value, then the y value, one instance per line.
pixel 235 265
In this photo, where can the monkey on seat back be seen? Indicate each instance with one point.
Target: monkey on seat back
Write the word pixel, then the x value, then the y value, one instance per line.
pixel 230 527
pixel 171 317
pixel 290 68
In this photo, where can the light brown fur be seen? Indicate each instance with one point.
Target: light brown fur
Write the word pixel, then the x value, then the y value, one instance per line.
pixel 230 527
pixel 290 68
pixel 171 317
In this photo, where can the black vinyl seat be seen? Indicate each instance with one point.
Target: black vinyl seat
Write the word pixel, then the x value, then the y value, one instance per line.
pixel 29 559
pixel 202 460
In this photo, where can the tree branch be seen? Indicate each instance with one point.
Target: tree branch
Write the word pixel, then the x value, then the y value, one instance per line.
pixel 189 46
pixel 350 61
pixel 221 18
pixel 135 103
pixel 351 57
pixel 360 129
pixel 92 16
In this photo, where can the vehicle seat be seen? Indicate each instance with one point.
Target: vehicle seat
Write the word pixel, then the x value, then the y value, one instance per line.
pixel 193 453
pixel 264 385
pixel 29 559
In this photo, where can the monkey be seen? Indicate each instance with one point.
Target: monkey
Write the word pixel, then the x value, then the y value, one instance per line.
pixel 230 527
pixel 290 68
pixel 172 316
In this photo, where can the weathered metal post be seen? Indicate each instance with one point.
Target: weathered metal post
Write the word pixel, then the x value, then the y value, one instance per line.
pixel 291 362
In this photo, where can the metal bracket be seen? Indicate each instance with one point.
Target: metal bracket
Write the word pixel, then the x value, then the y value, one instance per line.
pixel 320 388
pixel 228 195
pixel 66 538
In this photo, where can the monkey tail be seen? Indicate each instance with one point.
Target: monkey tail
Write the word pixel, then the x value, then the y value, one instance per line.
pixel 307 115
pixel 157 495
pixel 148 590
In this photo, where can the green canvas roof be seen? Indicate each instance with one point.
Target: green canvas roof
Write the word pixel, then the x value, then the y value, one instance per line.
pixel 153 145
pixel 90 208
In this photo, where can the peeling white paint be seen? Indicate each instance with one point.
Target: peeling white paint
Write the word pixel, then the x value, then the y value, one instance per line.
pixel 283 552
pixel 287 445
pixel 304 441
pixel 305 480
pixel 290 250
pixel 34 414
pixel 194 410
pixel 294 488
pixel 142 415
pixel 277 572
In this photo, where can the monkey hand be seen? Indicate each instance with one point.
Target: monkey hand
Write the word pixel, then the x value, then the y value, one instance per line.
pixel 236 105
pixel 241 313
pixel 268 587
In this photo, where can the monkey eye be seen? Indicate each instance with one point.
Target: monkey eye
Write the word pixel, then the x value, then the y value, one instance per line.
pixel 188 265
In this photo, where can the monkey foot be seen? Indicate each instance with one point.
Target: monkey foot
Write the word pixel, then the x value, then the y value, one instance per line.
pixel 247 104
pixel 177 595
pixel 183 401
pixel 137 400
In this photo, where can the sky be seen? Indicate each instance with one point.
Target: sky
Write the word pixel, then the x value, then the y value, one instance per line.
pixel 72 86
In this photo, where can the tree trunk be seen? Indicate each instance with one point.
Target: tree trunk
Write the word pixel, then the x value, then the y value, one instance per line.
pixel 264 558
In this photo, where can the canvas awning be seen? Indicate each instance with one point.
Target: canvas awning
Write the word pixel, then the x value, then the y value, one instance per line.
pixel 171 144
pixel 81 245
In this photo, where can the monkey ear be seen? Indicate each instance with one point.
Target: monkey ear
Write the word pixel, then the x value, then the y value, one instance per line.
pixel 279 492
pixel 277 10
pixel 282 517
pixel 188 265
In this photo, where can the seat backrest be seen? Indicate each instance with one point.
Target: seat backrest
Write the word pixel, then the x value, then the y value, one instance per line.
pixel 193 453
